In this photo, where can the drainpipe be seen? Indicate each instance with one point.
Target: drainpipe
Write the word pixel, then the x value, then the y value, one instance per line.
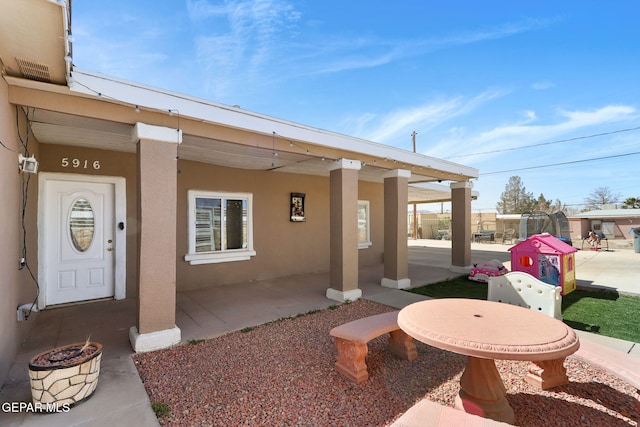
pixel 66 13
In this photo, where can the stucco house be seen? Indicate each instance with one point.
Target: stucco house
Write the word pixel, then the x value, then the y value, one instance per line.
pixel 613 223
pixel 112 189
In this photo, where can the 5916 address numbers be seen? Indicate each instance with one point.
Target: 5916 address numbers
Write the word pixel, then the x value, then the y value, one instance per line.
pixel 80 163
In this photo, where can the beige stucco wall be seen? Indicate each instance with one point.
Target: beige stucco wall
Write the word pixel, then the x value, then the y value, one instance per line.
pixel 17 286
pixel 282 247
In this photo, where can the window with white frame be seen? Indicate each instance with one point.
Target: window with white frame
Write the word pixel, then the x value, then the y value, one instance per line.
pixel 220 227
pixel 364 236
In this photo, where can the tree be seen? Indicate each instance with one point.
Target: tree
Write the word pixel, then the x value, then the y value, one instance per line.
pixel 631 203
pixel 601 196
pixel 544 205
pixel 515 199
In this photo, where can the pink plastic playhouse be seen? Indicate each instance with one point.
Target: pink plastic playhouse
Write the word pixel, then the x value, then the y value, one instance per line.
pixel 546 258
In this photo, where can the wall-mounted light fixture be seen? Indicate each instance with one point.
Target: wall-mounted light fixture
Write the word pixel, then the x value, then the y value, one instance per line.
pixel 27 164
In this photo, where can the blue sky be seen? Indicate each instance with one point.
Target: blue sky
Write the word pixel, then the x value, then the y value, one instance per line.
pixel 507 87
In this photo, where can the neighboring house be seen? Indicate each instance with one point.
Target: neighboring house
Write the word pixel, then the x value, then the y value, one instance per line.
pixel 613 223
pixel 140 192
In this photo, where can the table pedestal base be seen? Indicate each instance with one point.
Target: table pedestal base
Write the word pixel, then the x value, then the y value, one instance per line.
pixel 482 391
pixel 547 374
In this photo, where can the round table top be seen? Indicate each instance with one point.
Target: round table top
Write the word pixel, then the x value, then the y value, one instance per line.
pixel 488 329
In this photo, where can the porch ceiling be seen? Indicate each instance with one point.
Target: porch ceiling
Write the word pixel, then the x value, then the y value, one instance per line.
pixel 51 127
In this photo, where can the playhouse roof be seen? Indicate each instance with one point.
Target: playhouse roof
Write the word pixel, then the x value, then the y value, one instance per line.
pixel 544 243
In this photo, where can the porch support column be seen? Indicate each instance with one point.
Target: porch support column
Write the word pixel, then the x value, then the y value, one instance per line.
pixel 396 253
pixel 461 226
pixel 343 231
pixel 157 199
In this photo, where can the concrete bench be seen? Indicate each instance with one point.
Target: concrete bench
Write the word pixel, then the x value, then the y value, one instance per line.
pixel 426 413
pixel 351 343
pixel 524 290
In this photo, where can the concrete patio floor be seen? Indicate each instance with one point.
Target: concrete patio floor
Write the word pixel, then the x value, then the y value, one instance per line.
pixel 120 398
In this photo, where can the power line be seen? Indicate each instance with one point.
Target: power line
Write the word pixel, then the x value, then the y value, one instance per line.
pixel 562 164
pixel 544 143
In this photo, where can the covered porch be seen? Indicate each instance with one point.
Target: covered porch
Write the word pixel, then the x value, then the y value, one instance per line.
pixel 126 130
pixel 154 155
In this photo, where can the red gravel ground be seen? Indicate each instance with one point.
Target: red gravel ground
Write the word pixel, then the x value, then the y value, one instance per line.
pixel 281 374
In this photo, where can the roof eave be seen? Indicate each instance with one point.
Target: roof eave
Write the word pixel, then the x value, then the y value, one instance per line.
pixel 135 94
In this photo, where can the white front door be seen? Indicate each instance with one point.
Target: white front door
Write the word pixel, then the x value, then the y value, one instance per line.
pixel 78 245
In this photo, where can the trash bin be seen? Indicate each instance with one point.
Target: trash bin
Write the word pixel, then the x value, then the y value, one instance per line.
pixel 636 239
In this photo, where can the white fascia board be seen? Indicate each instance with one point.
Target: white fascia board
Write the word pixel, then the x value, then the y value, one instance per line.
pixel 110 88
pixel 440 188
pixel 609 213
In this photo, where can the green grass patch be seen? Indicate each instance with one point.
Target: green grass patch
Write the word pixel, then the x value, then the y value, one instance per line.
pixel 599 312
pixel 161 409
pixel 604 313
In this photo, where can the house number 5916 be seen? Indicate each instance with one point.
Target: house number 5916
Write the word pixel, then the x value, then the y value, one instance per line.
pixel 79 163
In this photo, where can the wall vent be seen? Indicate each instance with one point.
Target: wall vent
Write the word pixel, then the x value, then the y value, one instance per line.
pixel 33 70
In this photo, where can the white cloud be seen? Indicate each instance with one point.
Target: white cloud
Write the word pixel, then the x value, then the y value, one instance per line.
pixel 492 143
pixel 353 62
pixel 202 9
pixel 239 38
pixel 529 116
pixel 543 85
pixel 233 46
pixel 397 125
pixel 608 114
pixel 335 54
pixel 493 33
pixel 265 48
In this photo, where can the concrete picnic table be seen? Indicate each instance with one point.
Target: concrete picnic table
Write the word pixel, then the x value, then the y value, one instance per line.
pixel 485 331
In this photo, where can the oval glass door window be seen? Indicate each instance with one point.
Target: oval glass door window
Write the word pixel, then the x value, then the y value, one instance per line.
pixel 81 225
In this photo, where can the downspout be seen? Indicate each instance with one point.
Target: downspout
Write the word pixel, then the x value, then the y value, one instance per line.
pixel 68 39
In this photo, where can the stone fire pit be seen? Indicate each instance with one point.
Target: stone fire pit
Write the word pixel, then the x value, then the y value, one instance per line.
pixel 65 376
